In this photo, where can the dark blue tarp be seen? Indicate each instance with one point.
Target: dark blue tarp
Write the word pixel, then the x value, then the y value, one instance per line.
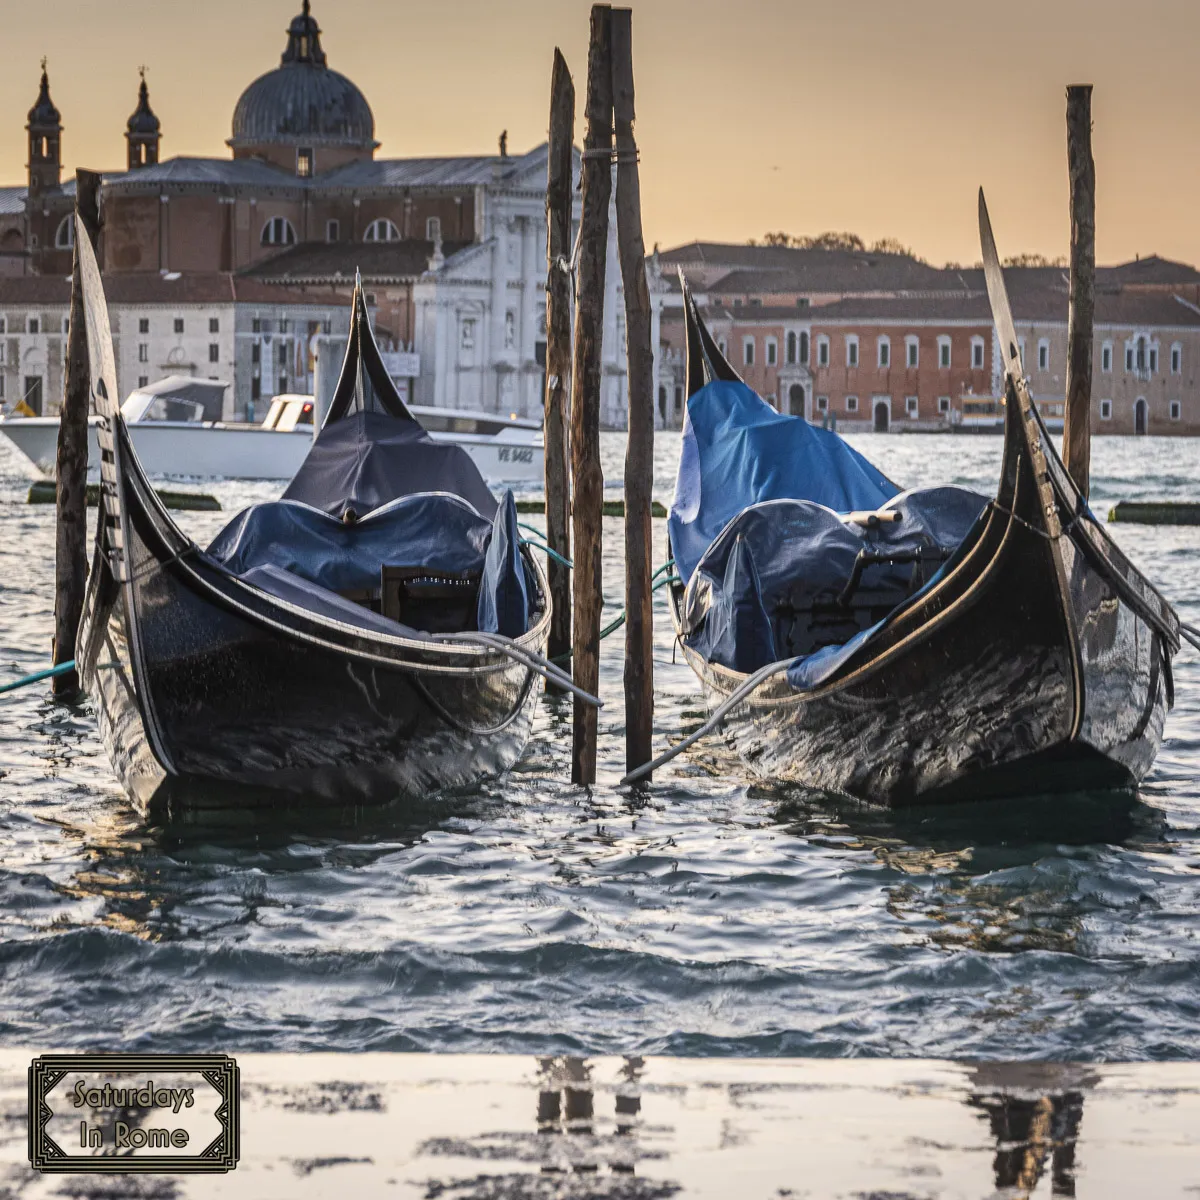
pixel 366 459
pixel 803 556
pixel 504 590
pixel 738 451
pixel 307 557
pixel 436 531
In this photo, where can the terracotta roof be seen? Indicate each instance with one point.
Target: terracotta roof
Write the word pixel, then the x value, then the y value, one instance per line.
pixel 130 288
pixel 325 262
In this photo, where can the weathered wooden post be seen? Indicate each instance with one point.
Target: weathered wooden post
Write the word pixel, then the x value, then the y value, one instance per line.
pixel 558 349
pixel 639 453
pixel 1077 432
pixel 70 544
pixel 588 478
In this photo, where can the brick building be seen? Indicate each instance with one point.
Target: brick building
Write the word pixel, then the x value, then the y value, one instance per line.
pixel 451 250
pixel 884 342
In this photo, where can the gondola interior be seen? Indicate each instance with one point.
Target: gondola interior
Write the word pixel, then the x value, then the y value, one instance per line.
pixel 789 544
pixel 383 527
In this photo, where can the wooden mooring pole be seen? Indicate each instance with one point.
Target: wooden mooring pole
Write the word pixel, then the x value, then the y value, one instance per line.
pixel 558 350
pixel 587 476
pixel 70 541
pixel 1077 433
pixel 639 453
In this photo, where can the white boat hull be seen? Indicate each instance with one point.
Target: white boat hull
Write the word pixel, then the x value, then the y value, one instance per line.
pixel 216 452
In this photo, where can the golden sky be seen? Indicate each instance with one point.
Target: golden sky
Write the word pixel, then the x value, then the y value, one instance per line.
pixel 877 116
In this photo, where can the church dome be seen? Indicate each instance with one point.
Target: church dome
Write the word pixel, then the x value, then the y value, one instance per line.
pixel 303 102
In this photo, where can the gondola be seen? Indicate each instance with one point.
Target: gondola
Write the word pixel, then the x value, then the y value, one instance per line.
pixel 376 633
pixel 908 647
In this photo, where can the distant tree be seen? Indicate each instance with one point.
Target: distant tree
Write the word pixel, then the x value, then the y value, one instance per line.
pixel 891 245
pixel 1034 260
pixel 778 239
pixel 835 241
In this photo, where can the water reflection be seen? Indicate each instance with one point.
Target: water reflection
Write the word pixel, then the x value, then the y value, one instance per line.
pixel 1034 1114
pixel 998 876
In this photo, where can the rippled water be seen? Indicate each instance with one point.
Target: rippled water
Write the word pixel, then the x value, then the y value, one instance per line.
pixel 715 916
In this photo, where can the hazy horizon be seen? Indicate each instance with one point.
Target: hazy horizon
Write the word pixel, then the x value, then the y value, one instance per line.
pixel 864 116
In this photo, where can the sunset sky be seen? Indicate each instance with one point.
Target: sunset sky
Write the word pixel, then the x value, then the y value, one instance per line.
pixel 865 115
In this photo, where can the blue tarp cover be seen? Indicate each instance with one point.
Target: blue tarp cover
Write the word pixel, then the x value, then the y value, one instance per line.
pixel 738 451
pixel 307 557
pixel 365 459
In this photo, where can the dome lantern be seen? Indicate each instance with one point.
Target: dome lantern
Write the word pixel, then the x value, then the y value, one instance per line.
pixel 302 115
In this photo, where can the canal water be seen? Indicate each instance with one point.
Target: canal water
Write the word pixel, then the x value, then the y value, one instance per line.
pixel 713 916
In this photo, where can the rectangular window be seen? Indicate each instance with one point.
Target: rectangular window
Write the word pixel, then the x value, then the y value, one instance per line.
pixel 333 231
pixel 143 352
pixel 34 325
pixel 1176 410
pixel 911 349
pixel 256 352
pixel 852 404
pixel 282 355
pixel 910 405
pixel 943 352
pixel 772 352
pixel 214 325
pixel 1153 360
pixel 304 162
pixel 852 352
pixel 977 355
pixel 214 352
pixel 822 404
pixel 143 325
pixel 143 380
pixel 1106 358
pixel 1176 359
pixel 748 352
pixel 1043 356
pixel 468 335
pixel 3 325
pixel 823 352
pixel 256 326
pixel 1106 410
pixel 885 354
pixel 943 404
pixel 1 387
pixel 1128 358
pixel 178 324
pixel 256 388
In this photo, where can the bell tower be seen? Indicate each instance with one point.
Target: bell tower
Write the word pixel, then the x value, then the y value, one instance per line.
pixel 45 141
pixel 143 133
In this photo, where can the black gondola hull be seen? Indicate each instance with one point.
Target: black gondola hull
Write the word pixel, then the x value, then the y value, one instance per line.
pixel 213 689
pixel 1039 660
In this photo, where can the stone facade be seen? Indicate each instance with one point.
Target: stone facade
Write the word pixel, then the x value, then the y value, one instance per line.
pixel 451 251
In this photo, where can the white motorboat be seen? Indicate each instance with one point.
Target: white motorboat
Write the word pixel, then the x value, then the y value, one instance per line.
pixel 177 430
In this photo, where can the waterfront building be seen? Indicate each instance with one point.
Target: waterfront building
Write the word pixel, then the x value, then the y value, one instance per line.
pixel 885 342
pixel 451 250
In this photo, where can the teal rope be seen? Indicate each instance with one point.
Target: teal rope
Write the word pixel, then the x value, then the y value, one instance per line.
pixel 662 583
pixel 554 554
pixel 37 676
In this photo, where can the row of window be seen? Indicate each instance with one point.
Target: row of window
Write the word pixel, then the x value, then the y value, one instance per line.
pixel 912 404
pixel 1174 408
pixel 279 231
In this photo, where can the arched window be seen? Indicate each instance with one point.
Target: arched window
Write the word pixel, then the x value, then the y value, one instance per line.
pixel 381 230
pixel 803 347
pixel 64 235
pixel 433 229
pixel 791 348
pixel 278 231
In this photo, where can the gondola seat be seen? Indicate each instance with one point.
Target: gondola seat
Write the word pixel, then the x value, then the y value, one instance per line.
pixel 817 579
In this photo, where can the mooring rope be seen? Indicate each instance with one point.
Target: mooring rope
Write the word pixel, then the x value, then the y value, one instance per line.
pixel 38 676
